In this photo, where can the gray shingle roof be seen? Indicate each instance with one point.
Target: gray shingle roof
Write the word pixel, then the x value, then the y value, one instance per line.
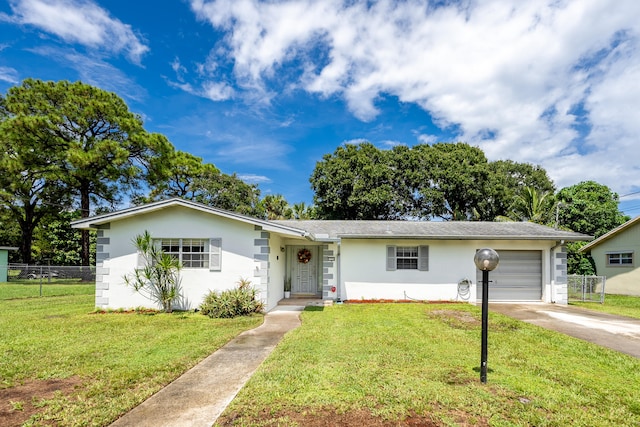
pixel 459 230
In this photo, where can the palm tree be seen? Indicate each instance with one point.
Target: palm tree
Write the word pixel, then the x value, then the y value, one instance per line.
pixel 276 207
pixel 532 205
pixel 302 211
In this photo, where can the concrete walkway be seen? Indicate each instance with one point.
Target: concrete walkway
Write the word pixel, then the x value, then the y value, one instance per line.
pixel 198 397
pixel 615 332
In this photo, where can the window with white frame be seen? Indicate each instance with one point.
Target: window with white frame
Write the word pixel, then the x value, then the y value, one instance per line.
pixel 193 253
pixel 617 259
pixel 407 258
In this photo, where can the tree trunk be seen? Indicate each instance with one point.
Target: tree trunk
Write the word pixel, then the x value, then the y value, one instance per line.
pixel 84 212
pixel 25 244
pixel 27 225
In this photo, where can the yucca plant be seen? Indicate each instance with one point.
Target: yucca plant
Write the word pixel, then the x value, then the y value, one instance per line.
pixel 158 279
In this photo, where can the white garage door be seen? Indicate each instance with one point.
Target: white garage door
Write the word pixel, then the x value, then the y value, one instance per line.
pixel 517 278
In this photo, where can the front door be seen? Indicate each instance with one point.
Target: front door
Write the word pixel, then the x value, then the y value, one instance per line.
pixel 304 270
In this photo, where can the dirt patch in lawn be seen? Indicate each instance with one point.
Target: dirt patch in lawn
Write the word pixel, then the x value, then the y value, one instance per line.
pixel 329 418
pixel 455 318
pixel 19 403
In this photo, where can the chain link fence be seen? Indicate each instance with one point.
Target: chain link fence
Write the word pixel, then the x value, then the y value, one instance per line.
pixel 50 273
pixel 586 288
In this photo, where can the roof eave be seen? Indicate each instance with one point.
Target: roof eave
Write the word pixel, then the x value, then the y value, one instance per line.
pixel 467 237
pixel 97 221
pixel 609 235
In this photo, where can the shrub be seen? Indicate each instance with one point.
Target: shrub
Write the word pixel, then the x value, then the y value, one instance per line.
pixel 240 301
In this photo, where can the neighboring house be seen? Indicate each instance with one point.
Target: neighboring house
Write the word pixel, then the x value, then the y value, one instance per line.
pixel 334 260
pixel 4 261
pixel 615 255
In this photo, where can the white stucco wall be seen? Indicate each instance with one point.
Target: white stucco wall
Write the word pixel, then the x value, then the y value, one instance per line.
pixel 238 251
pixel 277 266
pixel 363 272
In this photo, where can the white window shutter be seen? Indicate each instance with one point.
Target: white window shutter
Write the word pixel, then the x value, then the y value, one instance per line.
pixel 141 261
pixel 391 258
pixel 215 254
pixel 423 258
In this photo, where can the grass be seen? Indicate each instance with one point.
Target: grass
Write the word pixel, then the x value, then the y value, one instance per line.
pixel 32 289
pixel 119 359
pixel 621 305
pixel 399 362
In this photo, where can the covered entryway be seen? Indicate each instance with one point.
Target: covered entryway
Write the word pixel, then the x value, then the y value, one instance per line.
pixel 517 278
pixel 304 263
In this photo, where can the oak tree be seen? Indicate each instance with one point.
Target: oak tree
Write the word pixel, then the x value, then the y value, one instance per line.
pixel 590 208
pixel 355 182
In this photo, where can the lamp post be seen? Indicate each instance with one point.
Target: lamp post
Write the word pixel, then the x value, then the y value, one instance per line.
pixel 486 260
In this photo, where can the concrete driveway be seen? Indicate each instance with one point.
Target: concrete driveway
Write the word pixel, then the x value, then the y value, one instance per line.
pixel 615 332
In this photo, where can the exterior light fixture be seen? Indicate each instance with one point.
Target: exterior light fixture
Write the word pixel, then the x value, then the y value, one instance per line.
pixel 486 260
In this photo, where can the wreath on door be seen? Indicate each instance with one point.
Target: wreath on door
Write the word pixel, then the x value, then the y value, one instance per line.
pixel 304 256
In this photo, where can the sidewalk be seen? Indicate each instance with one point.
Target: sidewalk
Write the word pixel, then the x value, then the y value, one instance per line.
pixel 198 397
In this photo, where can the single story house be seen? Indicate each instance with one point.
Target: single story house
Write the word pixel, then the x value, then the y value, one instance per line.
pixel 332 260
pixel 614 254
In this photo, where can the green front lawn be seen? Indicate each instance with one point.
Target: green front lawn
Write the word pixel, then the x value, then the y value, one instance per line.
pixel 32 289
pixel 417 364
pixel 621 305
pixel 114 361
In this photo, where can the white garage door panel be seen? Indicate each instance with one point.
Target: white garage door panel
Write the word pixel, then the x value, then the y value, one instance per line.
pixel 517 278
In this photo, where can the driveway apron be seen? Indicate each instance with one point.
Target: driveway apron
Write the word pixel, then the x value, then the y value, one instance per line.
pixel 198 397
pixel 615 332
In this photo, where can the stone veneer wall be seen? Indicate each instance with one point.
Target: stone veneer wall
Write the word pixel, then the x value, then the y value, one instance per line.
pixel 102 267
pixel 327 271
pixel 559 263
pixel 261 257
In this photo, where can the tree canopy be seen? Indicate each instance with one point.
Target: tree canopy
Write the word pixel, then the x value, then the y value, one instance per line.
pixel 81 138
pixel 185 175
pixel 589 208
pixel 451 181
pixel 355 182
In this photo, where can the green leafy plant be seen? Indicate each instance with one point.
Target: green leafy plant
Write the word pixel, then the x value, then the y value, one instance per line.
pixel 239 301
pixel 159 278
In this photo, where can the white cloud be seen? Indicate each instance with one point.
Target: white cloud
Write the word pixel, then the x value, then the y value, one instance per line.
pixel 179 69
pixel 95 71
pixel 217 91
pixel 206 85
pixel 80 21
pixel 390 144
pixel 9 75
pixel 427 139
pixel 508 75
pixel 356 141
pixel 255 179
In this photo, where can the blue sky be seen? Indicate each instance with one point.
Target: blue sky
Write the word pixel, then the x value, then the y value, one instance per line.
pixel 264 89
